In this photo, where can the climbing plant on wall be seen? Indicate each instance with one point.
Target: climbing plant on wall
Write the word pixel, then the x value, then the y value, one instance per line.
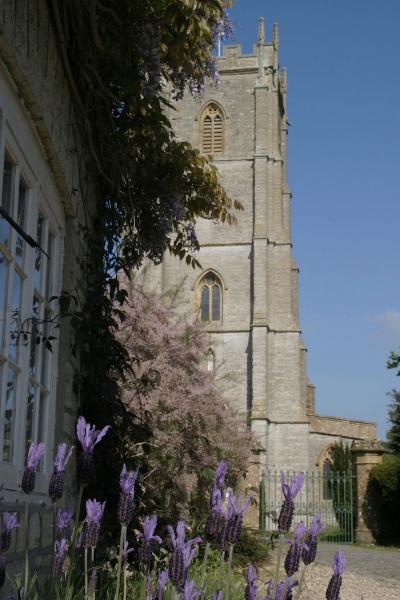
pixel 126 62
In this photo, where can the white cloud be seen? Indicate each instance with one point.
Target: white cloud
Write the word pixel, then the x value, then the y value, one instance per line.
pixel 389 320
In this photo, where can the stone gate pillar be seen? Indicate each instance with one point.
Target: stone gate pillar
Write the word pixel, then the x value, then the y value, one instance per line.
pixel 367 454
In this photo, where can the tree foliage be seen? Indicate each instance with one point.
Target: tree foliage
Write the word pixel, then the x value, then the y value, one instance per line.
pixel 192 427
pixel 125 62
pixel 384 494
pixel 393 435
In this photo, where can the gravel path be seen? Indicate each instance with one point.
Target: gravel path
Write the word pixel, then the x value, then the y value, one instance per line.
pixel 371 573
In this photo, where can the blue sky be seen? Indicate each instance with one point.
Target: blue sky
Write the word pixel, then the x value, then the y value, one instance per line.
pixel 344 149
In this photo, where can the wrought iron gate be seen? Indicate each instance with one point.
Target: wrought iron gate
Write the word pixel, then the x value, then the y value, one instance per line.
pixel 331 494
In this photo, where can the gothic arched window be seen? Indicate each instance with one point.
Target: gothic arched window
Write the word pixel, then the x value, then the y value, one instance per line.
pixel 212 130
pixel 210 292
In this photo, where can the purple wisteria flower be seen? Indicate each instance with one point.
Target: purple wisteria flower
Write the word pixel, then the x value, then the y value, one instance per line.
pixel 190 591
pixel 233 520
pixel 127 481
pixel 182 555
pixel 161 585
pixel 224 28
pixel 250 592
pixel 35 453
pixel 60 550
pixel 149 541
pixel 10 522
pixel 309 551
pixel 91 525
pixel 290 492
pixel 292 560
pixel 335 583
pixel 63 523
pixel 56 485
pixel 88 437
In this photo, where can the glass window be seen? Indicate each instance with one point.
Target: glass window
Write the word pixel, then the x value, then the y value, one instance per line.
pixel 3 295
pixel 7 199
pixel 9 411
pixel 30 415
pixel 15 323
pixel 21 220
pixel 49 278
pixel 210 298
pixel 38 252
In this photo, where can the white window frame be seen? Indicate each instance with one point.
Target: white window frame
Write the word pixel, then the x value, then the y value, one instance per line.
pixel 19 138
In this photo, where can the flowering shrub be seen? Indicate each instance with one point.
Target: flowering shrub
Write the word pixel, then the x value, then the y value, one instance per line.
pixel 171 392
pixel 171 573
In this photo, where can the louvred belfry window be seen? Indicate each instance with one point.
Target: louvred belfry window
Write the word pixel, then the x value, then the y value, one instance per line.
pixel 213 130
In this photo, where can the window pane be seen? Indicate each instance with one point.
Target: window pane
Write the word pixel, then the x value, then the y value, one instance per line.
pixel 9 412
pixel 49 282
pixel 15 324
pixel 7 199
pixel 42 417
pixel 3 295
pixel 44 350
pixel 205 303
pixel 38 253
pixel 21 219
pixel 30 412
pixel 216 303
pixel 34 332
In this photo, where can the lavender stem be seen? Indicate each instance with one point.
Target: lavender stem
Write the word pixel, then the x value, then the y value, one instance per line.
pixel 121 545
pixel 278 562
pixel 26 546
pixel 205 560
pixel 301 582
pixel 86 574
pixel 74 536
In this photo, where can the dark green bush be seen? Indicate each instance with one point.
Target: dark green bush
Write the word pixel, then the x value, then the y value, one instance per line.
pixel 383 501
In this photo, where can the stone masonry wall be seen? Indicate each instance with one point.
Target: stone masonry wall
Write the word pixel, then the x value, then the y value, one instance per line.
pixel 29 54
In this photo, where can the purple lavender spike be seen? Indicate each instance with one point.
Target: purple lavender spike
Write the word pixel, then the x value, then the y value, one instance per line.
pixel 335 582
pixel 91 525
pixel 10 522
pixel 35 453
pixel 290 492
pixel 149 541
pixel 56 485
pixel 127 481
pixel 88 437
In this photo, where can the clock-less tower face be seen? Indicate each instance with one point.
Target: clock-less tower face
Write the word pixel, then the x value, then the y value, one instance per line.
pixel 245 294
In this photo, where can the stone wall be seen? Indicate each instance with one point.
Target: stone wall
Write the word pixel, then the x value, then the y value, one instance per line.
pixel 32 65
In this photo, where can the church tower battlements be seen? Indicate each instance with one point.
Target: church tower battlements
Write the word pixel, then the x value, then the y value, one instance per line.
pixel 247 292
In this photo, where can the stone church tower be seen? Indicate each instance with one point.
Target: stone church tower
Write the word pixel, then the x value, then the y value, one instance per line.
pixel 247 292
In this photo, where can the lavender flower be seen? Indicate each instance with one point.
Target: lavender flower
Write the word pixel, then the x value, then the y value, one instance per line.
pixel 250 593
pixel 149 540
pixel 190 592
pixel 289 584
pixel 220 474
pixel 290 492
pixel 270 590
pixel 182 555
pixel 35 453
pixel 92 583
pixel 126 550
pixel 161 585
pixel 2 570
pixel 292 560
pixel 88 437
pixel 91 525
pixel 309 551
pixel 127 481
pixel 215 518
pixel 233 521
pixel 335 583
pixel 60 550
pixel 10 522
pixel 63 523
pixel 217 595
pixel 56 485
